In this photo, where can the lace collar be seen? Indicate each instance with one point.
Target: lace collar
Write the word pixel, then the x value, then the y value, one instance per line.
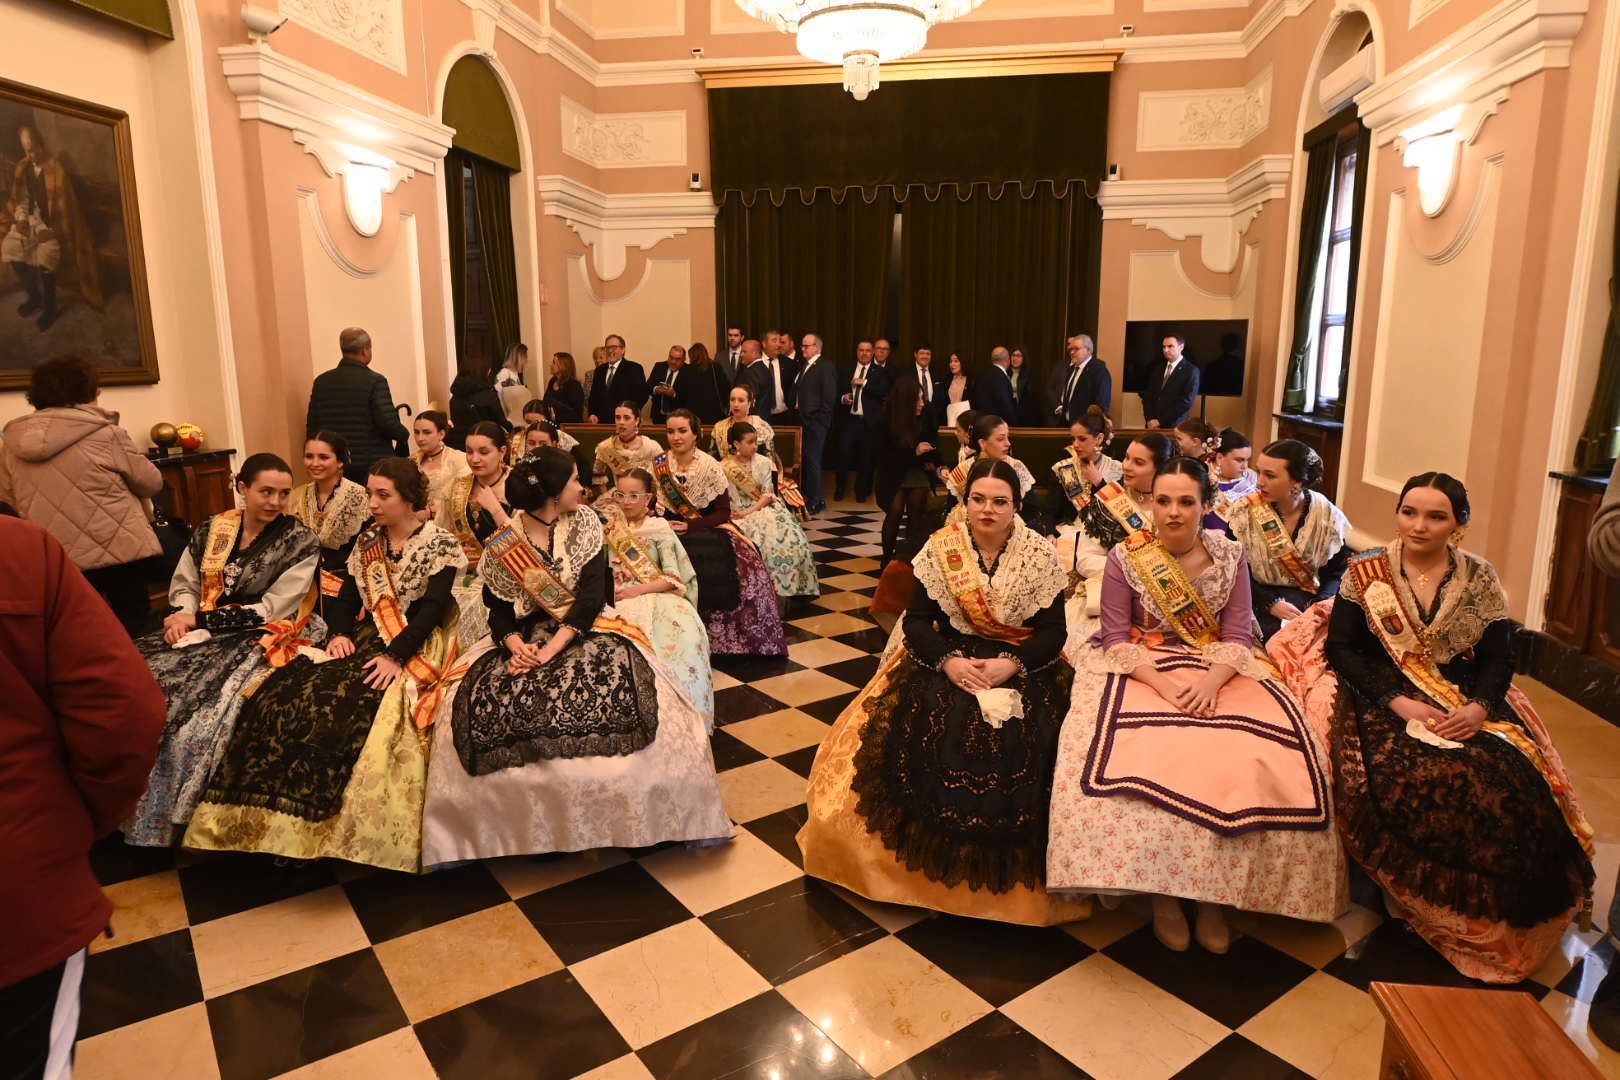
pixel 1470 601
pixel 340 520
pixel 1323 530
pixel 429 550
pixel 575 540
pixel 1215 584
pixel 703 481
pixel 1027 578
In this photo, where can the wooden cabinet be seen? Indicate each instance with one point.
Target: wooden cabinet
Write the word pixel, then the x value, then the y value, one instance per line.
pixel 1326 437
pixel 196 486
pixel 1583 603
pixel 1445 1033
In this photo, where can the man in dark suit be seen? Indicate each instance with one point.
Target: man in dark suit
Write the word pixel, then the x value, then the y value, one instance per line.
pixel 817 394
pixel 756 375
pixel 862 400
pixel 665 384
pixel 1085 382
pixel 730 358
pixel 933 387
pixel 620 379
pixel 354 401
pixel 994 392
pixel 788 362
pixel 1171 387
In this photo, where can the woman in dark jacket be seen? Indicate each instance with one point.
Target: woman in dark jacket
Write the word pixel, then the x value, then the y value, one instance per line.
pixel 906 465
pixel 564 397
pixel 473 398
pixel 706 387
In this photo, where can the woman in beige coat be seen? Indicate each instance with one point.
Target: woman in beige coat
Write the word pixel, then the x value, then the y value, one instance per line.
pixel 69 467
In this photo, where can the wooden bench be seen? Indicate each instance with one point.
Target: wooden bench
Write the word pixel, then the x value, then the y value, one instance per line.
pixel 1441 1033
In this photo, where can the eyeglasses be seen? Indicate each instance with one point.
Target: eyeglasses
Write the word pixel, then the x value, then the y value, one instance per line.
pixel 629 496
pixel 979 502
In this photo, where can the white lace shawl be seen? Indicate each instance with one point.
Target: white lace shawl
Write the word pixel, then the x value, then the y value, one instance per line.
pixel 1472 601
pixel 1026 479
pixel 346 513
pixel 703 482
pixel 426 553
pixel 767 435
pixel 1027 578
pixel 1321 536
pixel 640 454
pixel 576 539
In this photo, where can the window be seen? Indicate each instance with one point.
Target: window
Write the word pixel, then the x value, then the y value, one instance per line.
pixel 1326 367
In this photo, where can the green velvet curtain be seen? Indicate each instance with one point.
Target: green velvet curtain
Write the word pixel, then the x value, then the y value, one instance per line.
pixel 821 267
pixel 149 15
pixel 475 105
pixel 492 191
pixel 455 203
pixel 1600 438
pixel 1312 237
pixel 985 265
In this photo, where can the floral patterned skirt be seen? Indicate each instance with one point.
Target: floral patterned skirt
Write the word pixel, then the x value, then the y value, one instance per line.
pixel 679 639
pixel 784 549
pixel 754 626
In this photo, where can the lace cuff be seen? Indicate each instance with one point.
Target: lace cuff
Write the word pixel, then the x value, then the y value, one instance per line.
pixel 939 665
pixel 1121 659
pixel 1236 656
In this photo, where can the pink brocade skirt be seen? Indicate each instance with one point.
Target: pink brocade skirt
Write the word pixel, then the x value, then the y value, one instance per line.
pixel 754 626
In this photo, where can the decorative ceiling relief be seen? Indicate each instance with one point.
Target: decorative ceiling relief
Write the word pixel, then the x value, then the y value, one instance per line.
pixel 1215 119
pixel 623 140
pixel 373 28
pixel 610 225
pixel 1218 212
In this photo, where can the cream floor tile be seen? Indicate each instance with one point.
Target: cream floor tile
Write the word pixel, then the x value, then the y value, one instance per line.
pixel 1324 1026
pixel 803 687
pixel 722 681
pixel 464 960
pixel 1571 1016
pixel 176 1045
pixel 884 1003
pixel 264 942
pixel 858 566
pixel 522 876
pixel 1132 1029
pixel 762 787
pixel 819 653
pixel 628 1067
pixel 849 581
pixel 831 624
pixel 709 878
pixel 667 981
pixel 845 601
pixel 1314 943
pixel 1605 863
pixel 892 917
pixel 143 907
pixel 870 551
pixel 780 732
pixel 1600 798
pixel 1106 927
pixel 395 1056
pixel 1572 947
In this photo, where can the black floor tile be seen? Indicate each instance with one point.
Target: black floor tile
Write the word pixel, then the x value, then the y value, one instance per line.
pixel 284 1023
pixel 749 668
pixel 1585 977
pixel 114 861
pixel 581 918
pixel 225 883
pixel 870 641
pixel 797 635
pixel 1395 953
pixel 828 710
pixel 392 905
pixel 546 1028
pixel 730 751
pixel 763 1037
pixel 837 543
pixel 780 830
pixel 856 672
pixel 1235 1056
pixel 736 703
pixel 791 929
pixel 133 982
pixel 800 761
pixel 997 961
pixel 990 1048
pixel 1230 988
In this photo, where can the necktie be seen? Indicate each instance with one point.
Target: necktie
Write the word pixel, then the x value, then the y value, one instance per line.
pixel 1074 377
pixel 860 373
pixel 669 380
pixel 1168 368
pixel 776 384
pixel 927 385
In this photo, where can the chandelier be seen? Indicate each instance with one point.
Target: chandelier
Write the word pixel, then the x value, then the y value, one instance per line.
pixel 859 34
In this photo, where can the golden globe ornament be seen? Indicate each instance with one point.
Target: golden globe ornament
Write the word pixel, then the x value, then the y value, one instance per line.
pixel 164 436
pixel 191 436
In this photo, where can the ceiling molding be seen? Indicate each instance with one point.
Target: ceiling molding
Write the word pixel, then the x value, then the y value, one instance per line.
pixel 914 68
pixel 612 224
pixel 1218 211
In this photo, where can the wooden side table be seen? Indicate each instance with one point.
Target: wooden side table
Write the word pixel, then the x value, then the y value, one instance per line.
pixel 1442 1033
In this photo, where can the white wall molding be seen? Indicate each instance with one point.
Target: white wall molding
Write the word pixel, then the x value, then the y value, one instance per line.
pixel 373 28
pixel 1422 9
pixel 278 90
pixel 1511 42
pixel 612 224
pixel 1214 119
pixel 623 140
pixel 586 15
pixel 1218 211
pixel 310 200
pixel 366 178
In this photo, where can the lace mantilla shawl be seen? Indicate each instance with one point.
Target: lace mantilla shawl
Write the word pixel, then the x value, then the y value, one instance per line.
pixel 346 512
pixel 1026 479
pixel 615 456
pixel 575 540
pixel 703 482
pixel 430 550
pixel 1321 536
pixel 767 435
pixel 1473 599
pixel 1027 578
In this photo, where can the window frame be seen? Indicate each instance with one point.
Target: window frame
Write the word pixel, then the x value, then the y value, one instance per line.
pixel 1351 138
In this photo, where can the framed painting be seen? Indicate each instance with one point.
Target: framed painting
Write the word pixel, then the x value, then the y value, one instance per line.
pixel 72 272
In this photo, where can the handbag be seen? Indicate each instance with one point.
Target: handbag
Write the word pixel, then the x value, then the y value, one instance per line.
pixel 173 534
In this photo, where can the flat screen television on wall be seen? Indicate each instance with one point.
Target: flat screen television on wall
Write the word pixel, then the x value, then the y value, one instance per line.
pixel 1218 346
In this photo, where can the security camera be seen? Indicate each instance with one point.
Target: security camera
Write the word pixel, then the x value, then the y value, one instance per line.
pixel 696 183
pixel 697 52
pixel 261 22
pixel 1126 30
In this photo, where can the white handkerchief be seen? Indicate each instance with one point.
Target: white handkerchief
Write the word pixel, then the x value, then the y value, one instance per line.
pixel 316 656
pixel 999 705
pixel 1420 731
pixel 195 637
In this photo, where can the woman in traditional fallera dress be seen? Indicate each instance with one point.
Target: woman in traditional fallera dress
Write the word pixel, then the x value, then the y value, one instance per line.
pixel 441 465
pixel 933 787
pixel 738 402
pixel 655 587
pixel 991 438
pixel 1294 536
pixel 1186 769
pixel 1233 477
pixel 1085 467
pixel 471 509
pixel 566 733
pixel 736 595
pixel 627 448
pixel 327 759
pixel 330 505
pixel 241 594
pixel 759 512
pixel 1449 791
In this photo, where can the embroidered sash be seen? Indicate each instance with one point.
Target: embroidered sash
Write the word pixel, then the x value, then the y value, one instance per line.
pixel 743 477
pixel 1122 508
pixel 1072 481
pixel 523 562
pixel 952 549
pixel 672 490
pixel 283 638
pixel 462 506
pixel 1279 543
pixel 612 454
pixel 794 498
pixel 1184 609
pixel 222 534
pixel 377 587
pixel 956 479
pixel 1403 639
pixel 618 535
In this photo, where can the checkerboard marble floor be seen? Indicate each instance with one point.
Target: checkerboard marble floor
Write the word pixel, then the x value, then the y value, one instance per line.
pixel 728 962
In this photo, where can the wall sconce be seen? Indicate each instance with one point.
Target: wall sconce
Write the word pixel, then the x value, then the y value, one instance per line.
pixel 1434 148
pixel 367 176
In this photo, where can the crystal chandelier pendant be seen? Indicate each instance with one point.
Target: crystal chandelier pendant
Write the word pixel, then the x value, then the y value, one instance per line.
pixel 859 35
